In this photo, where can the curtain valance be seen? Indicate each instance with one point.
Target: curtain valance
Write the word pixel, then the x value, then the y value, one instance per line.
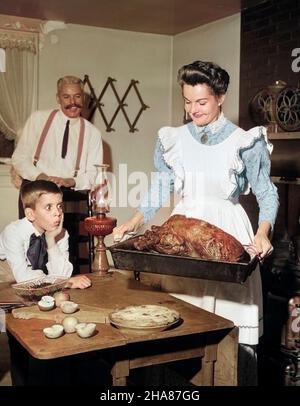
pixel 23 41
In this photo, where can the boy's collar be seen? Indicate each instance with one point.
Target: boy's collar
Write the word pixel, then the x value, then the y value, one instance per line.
pixel 32 228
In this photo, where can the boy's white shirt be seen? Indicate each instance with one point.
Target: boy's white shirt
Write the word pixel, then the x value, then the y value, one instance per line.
pixel 14 243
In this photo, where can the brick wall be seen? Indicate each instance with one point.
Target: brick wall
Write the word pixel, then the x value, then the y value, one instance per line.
pixel 269 33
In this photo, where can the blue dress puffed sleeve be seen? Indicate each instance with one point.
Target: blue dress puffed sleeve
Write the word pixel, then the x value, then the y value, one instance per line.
pixel 161 186
pixel 257 166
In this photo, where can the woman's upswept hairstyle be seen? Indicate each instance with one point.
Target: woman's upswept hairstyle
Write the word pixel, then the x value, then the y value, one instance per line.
pixel 32 191
pixel 208 73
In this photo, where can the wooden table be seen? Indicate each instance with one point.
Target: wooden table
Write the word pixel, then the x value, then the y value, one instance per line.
pixel 202 335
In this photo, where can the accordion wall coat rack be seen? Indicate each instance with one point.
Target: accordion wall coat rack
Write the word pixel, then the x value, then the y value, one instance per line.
pixel 95 102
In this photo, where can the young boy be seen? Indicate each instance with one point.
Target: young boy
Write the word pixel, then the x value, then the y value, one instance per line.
pixel 34 246
pixel 37 244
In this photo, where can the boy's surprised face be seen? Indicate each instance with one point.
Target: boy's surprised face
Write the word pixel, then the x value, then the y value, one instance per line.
pixel 48 212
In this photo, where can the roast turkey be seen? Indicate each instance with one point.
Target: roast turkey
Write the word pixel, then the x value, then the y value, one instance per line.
pixel 181 235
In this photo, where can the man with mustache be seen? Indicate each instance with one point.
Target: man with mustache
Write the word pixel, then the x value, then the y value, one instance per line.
pixel 59 145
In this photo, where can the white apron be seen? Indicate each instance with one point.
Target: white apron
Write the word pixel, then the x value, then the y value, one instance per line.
pixel 205 176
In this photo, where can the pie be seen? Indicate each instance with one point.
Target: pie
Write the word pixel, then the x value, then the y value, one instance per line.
pixel 144 316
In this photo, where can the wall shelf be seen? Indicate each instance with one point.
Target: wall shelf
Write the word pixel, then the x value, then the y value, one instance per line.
pixel 284 135
pixel 278 179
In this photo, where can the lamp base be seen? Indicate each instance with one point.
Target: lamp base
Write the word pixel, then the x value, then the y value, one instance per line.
pixel 100 263
pixel 99 227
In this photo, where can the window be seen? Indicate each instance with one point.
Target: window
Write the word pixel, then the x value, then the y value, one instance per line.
pixel 18 84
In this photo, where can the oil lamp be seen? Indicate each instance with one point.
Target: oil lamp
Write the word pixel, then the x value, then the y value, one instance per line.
pixel 100 225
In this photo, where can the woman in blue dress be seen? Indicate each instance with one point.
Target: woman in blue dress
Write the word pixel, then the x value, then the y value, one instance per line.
pixel 210 162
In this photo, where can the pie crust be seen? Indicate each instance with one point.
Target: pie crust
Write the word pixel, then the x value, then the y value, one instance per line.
pixel 144 316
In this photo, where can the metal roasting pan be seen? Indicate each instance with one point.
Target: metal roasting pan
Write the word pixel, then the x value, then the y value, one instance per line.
pixel 126 257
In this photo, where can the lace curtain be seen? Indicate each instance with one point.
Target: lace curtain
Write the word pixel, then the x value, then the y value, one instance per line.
pixel 18 84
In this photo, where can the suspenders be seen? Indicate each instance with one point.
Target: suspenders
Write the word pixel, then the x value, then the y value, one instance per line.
pixel 43 137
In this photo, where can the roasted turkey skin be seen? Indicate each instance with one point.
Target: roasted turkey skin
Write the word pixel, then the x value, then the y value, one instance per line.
pixel 181 235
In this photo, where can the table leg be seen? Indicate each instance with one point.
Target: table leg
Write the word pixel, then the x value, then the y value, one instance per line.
pixel 227 358
pixel 205 376
pixel 120 373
